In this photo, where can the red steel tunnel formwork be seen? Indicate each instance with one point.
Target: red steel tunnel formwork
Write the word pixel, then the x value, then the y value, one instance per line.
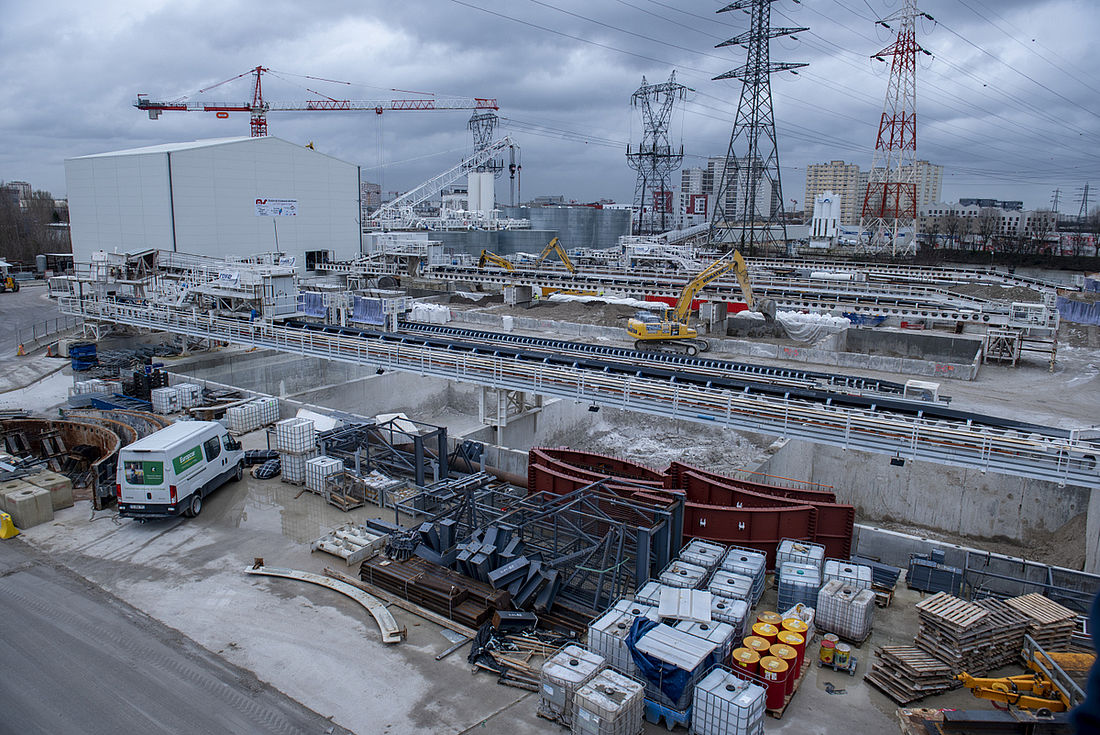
pixel 716 508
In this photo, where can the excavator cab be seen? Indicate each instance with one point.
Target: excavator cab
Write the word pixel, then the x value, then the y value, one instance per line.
pixel 7 283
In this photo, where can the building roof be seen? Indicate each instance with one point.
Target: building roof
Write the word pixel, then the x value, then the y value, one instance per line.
pixel 196 144
pixel 169 147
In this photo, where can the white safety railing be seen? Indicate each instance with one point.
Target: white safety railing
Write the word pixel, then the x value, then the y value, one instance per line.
pixel 965 444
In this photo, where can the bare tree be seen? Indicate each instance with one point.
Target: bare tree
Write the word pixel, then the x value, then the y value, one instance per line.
pixel 1092 225
pixel 953 227
pixel 987 224
pixel 1041 225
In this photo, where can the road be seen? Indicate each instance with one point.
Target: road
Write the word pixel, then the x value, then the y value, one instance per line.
pixel 22 310
pixel 76 659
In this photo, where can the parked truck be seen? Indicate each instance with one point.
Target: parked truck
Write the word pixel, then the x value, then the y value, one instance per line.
pixel 170 472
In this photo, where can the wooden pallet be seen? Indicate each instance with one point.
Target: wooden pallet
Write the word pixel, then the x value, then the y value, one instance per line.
pixel 907 673
pixel 1049 624
pixel 950 611
pixel 778 712
pixel 1040 609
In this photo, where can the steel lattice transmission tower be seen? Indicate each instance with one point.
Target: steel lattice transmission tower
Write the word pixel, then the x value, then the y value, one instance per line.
pixel 890 201
pixel 748 202
pixel 482 125
pixel 654 159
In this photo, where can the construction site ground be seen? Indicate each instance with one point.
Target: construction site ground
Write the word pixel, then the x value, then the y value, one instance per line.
pixel 324 651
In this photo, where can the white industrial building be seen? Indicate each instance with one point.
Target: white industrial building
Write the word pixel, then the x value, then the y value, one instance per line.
pixel 226 196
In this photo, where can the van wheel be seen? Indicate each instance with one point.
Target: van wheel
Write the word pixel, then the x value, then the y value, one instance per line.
pixel 240 472
pixel 196 505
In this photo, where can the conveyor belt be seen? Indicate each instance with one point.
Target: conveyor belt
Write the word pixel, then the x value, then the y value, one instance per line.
pixel 754 387
pixel 698 365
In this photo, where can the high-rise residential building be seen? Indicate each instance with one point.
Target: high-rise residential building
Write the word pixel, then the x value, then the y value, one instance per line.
pixel 840 178
pixel 694 197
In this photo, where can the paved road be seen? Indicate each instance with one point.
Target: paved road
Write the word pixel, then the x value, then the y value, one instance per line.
pixel 19 311
pixel 78 660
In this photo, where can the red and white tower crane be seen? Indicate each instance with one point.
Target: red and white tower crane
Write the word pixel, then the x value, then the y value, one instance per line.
pixel 259 107
pixel 890 201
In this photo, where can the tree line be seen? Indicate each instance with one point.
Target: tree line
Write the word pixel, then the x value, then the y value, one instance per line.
pixel 28 227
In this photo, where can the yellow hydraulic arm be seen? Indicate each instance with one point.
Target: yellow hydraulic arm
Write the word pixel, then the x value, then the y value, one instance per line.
pixel 491 257
pixel 682 310
pixel 554 246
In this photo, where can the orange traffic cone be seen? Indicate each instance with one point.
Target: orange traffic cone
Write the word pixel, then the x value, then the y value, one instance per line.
pixel 20 352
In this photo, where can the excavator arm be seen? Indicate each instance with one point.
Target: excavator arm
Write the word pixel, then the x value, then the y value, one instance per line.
pixel 554 246
pixel 682 310
pixel 490 257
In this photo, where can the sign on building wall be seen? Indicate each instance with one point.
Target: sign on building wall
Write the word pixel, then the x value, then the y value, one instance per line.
pixel 276 207
pixel 662 201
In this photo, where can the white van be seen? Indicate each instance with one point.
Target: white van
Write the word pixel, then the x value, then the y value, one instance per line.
pixel 168 473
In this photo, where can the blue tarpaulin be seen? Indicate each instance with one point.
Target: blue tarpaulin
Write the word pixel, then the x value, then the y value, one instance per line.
pixel 670 679
pixel 1092 284
pixel 312 304
pixel 1078 311
pixel 367 311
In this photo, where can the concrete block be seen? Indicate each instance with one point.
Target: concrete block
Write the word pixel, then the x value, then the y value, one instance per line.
pixel 60 487
pixel 6 488
pixel 30 506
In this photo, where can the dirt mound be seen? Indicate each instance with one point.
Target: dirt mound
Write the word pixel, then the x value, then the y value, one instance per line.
pixel 1009 294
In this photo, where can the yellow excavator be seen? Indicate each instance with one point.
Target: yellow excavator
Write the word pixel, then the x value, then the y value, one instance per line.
pixel 7 283
pixel 1056 683
pixel 488 256
pixel 554 246
pixel 671 332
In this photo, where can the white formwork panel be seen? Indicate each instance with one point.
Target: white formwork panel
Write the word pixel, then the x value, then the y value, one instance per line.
pixel 723 704
pixel 721 634
pixel 799 552
pixel 561 676
pixel 607 633
pixel 703 553
pixel 679 649
pixel 319 469
pixel 295 435
pixel 850 573
pixel 164 400
pixel 609 704
pixel 683 574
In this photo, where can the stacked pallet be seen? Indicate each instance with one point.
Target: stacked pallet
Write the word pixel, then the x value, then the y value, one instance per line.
pixel 1049 624
pixel 1007 628
pixel 436 588
pixel 951 629
pixel 907 673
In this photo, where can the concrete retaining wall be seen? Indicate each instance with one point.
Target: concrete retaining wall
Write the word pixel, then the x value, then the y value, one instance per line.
pixel 744 348
pixel 951 499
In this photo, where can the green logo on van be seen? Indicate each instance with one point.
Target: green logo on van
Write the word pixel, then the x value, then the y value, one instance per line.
pixel 190 458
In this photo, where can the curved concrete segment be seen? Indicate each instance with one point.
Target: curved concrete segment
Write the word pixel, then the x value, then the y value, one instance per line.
pixel 391 633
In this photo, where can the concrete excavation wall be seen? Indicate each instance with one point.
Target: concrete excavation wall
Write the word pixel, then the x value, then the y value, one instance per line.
pixel 951 499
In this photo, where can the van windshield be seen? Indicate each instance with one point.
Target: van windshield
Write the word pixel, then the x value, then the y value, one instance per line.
pixel 144 473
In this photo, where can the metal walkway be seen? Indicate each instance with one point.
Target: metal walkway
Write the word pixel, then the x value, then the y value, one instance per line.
pixel 938 435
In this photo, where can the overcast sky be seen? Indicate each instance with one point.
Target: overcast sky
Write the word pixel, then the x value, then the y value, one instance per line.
pixel 1008 102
